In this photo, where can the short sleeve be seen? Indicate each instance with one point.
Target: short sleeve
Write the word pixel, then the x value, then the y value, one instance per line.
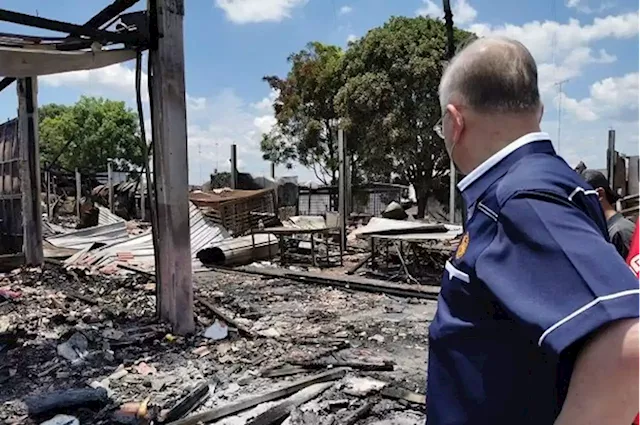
pixel 554 273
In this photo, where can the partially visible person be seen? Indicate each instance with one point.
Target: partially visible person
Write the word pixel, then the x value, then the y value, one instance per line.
pixel 620 229
pixel 633 260
pixel 537 319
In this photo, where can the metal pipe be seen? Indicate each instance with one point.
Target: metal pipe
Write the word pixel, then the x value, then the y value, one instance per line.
pixel 239 251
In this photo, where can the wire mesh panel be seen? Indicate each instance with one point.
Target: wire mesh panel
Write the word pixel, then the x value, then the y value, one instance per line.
pixel 10 189
pixel 369 199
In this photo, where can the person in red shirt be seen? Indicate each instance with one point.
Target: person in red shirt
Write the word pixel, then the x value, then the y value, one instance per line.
pixel 633 260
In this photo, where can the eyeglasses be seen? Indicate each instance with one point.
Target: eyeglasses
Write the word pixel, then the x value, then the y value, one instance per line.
pixel 438 127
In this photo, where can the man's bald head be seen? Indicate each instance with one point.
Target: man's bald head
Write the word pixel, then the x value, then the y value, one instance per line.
pixel 492 75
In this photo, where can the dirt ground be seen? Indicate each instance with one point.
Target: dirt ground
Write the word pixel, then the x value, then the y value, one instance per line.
pixel 134 358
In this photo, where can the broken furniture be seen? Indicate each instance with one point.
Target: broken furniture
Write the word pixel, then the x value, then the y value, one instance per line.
pixel 235 210
pixel 287 234
pixel 382 232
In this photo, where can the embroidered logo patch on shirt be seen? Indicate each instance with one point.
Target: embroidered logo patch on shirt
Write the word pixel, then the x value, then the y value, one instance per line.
pixel 462 247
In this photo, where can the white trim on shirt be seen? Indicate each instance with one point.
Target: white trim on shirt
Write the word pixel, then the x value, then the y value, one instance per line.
pixel 454 272
pixel 585 308
pixel 499 156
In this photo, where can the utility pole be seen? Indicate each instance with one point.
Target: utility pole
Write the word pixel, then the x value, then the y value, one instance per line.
pixel 448 21
pixel 174 290
pixel 611 157
pixel 273 170
pixel 234 167
pixel 30 177
pixel 560 93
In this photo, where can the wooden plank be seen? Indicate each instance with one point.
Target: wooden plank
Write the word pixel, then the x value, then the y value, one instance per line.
pixel 360 263
pixel 171 168
pixel 350 282
pixel 278 413
pixel 398 393
pixel 247 403
pixel 360 413
pixel 189 403
pixel 222 315
pixel 30 151
pixel 22 62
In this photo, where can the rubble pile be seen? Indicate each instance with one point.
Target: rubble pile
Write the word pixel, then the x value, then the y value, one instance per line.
pixel 89 347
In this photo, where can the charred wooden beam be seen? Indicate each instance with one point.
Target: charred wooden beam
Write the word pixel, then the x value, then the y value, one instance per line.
pixel 247 403
pixel 99 19
pixel 72 29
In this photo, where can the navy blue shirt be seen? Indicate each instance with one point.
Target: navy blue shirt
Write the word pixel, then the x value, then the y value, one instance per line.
pixel 534 275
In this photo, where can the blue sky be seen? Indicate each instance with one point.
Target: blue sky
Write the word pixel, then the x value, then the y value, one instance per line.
pixel 231 44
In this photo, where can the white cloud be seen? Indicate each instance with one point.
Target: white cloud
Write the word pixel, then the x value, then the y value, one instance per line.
pixel 613 98
pixel 351 38
pixel 548 38
pixel 580 6
pixel 264 123
pixel 566 51
pixel 345 10
pixel 213 123
pixel 265 105
pixel 250 11
pixel 430 9
pixel 115 79
pixel 571 66
pixel 196 103
pixel 463 12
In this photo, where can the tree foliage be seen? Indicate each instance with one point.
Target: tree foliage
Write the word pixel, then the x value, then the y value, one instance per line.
pixel 384 90
pixel 305 113
pixel 95 129
pixel 390 99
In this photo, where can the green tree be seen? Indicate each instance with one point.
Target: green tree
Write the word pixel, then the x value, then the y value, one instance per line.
pixel 305 113
pixel 389 100
pixel 93 130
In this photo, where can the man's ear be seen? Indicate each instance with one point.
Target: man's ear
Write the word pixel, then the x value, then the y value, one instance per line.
pixel 457 121
pixel 541 113
pixel 601 193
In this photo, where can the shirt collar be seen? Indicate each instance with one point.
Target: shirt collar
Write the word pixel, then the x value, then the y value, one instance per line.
pixel 478 180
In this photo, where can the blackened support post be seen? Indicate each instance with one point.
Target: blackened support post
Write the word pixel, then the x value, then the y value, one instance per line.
pixel 110 183
pixel 47 198
pixel 343 187
pixel 78 192
pixel 30 152
pixel 171 169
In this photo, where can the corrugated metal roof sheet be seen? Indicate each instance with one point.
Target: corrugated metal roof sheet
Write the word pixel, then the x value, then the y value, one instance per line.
pixel 138 251
pixel 79 239
pixel 107 217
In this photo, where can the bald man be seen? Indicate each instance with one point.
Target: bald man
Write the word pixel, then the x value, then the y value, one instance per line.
pixel 537 320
